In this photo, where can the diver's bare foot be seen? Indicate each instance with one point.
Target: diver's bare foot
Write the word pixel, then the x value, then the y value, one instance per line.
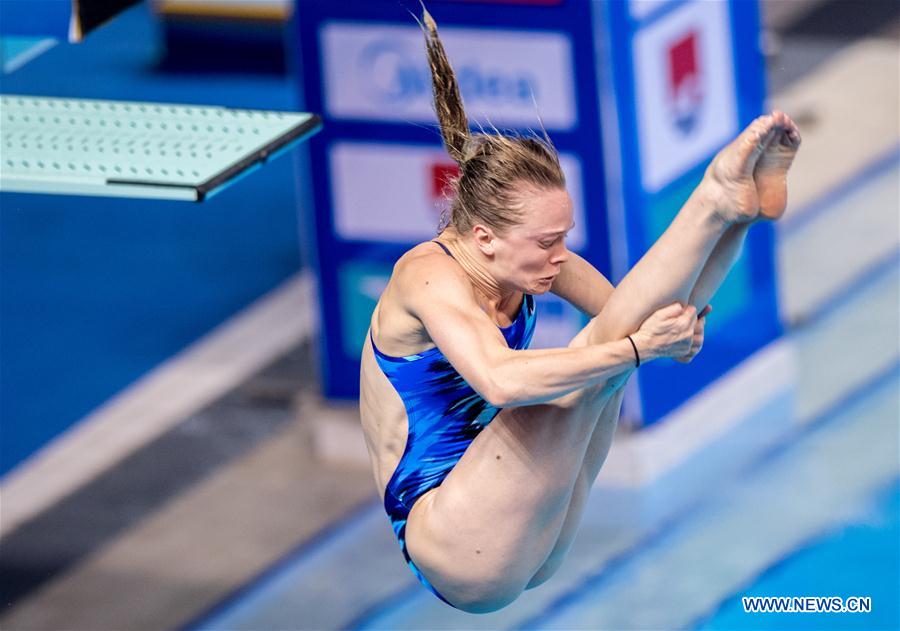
pixel 771 169
pixel 728 184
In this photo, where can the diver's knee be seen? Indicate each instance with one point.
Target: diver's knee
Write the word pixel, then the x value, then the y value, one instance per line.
pixel 543 575
pixel 469 587
pixel 484 600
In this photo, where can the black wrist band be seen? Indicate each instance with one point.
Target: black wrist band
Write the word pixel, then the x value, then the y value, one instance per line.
pixel 637 358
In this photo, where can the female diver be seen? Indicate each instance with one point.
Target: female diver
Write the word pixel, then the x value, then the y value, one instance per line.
pixel 485 451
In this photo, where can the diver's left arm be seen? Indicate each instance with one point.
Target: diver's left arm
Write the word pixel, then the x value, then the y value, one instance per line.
pixel 580 284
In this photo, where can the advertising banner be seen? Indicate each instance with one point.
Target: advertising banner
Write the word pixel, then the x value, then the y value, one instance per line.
pixel 684 77
pixel 671 80
pixel 378 73
pixel 380 170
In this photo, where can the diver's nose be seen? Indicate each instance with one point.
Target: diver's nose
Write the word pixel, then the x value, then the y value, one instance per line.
pixel 561 256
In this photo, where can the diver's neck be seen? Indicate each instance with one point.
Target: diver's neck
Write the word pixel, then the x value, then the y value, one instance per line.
pixel 471 260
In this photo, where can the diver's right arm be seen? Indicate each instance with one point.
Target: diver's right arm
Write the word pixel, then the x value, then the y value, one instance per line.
pixel 443 300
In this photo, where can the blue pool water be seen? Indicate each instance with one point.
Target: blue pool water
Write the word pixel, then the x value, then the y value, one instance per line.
pixel 862 559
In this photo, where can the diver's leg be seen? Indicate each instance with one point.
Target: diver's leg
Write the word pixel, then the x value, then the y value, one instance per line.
pixel 670 269
pixel 714 272
pixel 598 448
pixel 770 182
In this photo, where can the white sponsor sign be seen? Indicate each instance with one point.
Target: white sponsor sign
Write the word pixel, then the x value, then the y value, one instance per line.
pixel 684 90
pixel 384 192
pixel 381 73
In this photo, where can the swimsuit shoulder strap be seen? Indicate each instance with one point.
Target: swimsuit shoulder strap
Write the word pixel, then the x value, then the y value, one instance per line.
pixel 443 247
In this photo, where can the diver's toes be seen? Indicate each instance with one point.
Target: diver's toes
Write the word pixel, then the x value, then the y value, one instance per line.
pixel 760 127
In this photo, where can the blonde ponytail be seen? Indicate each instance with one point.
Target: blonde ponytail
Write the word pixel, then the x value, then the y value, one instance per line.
pixel 447 101
pixel 493 167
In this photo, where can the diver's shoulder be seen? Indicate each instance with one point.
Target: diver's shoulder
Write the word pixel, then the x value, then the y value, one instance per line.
pixel 426 261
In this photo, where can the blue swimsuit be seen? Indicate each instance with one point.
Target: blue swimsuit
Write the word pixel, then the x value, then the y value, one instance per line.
pixel 445 414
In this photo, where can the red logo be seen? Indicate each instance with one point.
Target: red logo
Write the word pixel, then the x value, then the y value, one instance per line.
pixel 442 173
pixel 685 84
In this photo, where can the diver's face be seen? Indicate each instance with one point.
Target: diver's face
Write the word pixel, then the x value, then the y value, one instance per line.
pixel 528 256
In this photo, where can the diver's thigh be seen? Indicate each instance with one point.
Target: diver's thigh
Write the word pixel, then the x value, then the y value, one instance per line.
pixel 497 515
pixel 598 448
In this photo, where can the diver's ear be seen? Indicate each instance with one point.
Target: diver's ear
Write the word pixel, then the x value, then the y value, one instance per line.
pixel 484 238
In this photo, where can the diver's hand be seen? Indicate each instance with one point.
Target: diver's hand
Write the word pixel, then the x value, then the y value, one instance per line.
pixel 697 340
pixel 668 332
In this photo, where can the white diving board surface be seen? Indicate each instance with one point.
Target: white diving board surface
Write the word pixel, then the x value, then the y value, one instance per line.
pixel 134 149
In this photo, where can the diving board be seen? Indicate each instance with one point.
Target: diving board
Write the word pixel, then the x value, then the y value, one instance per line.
pixel 135 149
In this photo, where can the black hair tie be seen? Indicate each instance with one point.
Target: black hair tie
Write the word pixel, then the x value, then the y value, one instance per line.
pixel 637 357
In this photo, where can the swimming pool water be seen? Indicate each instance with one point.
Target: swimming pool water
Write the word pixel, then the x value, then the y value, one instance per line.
pixel 861 559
